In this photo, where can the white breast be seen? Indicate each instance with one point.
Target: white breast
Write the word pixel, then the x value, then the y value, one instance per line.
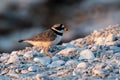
pixel 57 40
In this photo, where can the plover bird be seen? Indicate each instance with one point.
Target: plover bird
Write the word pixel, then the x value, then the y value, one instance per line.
pixel 47 38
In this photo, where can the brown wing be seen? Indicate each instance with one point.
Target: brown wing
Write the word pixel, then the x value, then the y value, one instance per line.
pixel 47 35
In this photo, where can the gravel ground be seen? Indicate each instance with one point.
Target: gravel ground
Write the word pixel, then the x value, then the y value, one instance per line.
pixel 94 57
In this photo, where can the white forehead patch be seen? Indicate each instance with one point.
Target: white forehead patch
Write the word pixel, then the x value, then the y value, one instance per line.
pixel 56 25
pixel 63 26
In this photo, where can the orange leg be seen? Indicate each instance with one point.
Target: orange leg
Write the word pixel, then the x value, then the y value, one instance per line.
pixel 43 52
pixel 46 51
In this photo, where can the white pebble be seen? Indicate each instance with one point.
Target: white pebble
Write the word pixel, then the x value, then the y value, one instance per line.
pixel 67 51
pixel 54 58
pixel 14 53
pixel 100 65
pixel 82 65
pixel 86 54
pixel 43 60
pixel 57 63
pixel 13 59
pixel 24 71
pixel 98 73
pixel 110 37
pixel 4 57
pixel 28 54
pixel 68 45
pixel 32 68
pixel 100 41
pixel 71 63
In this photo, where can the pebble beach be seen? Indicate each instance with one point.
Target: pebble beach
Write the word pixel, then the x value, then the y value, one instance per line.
pixel 94 57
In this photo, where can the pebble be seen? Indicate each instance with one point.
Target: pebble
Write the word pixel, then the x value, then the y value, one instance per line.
pixel 28 54
pixel 54 58
pixel 13 59
pixel 100 65
pixel 111 37
pixel 100 41
pixel 32 68
pixel 14 53
pixel 4 57
pixel 86 54
pixel 71 63
pixel 98 73
pixel 57 63
pixel 68 45
pixel 82 65
pixel 25 71
pixel 116 57
pixel 42 76
pixel 115 48
pixel 5 71
pixel 68 53
pixel 43 60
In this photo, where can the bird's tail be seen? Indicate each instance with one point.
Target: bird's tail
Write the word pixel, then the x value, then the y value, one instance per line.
pixel 21 41
pixel 24 40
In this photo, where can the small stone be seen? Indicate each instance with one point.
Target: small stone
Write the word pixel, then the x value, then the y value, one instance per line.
pixel 70 46
pixel 111 37
pixel 97 60
pixel 115 48
pixel 110 43
pixel 38 76
pixel 43 60
pixel 86 54
pixel 116 57
pixel 71 63
pixel 28 54
pixel 42 76
pixel 68 53
pixel 14 52
pixel 100 65
pixel 100 41
pixel 4 57
pixel 57 63
pixel 13 59
pixel 54 58
pixel 14 75
pixel 32 68
pixel 98 73
pixel 94 48
pixel 82 65
pixel 6 70
pixel 24 71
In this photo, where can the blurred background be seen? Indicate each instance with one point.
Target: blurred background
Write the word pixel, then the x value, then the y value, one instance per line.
pixel 24 18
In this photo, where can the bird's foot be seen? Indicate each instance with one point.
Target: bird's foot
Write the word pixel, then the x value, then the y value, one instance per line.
pixel 43 54
pixel 50 55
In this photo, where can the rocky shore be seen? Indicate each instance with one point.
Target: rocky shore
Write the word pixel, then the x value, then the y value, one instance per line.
pixel 94 57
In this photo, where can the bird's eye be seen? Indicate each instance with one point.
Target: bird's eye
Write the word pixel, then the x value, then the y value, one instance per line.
pixel 61 25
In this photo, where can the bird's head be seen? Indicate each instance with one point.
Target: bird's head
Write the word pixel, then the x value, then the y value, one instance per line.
pixel 59 28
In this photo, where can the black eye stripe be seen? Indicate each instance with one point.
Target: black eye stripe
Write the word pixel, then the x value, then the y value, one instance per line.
pixel 59 28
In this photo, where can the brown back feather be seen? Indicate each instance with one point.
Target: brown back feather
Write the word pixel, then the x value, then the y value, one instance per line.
pixel 47 35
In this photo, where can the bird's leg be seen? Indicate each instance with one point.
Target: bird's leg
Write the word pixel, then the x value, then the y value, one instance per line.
pixel 43 52
pixel 46 50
